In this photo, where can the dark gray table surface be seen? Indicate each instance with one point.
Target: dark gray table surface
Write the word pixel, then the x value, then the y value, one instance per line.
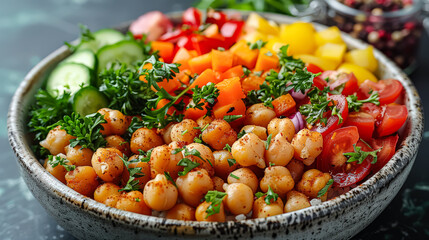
pixel 30 30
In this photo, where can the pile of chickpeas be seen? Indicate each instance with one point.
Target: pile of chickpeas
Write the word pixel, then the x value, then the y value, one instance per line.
pixel 286 165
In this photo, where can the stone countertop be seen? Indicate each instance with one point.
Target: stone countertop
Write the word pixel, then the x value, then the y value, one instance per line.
pixel 30 30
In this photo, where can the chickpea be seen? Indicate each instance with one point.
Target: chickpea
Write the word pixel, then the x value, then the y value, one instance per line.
pixel 172 167
pixel 181 212
pixel 108 164
pixel 159 160
pixel 193 186
pixel 133 202
pixel 145 171
pixel 59 171
pixel 296 201
pixel 160 194
pixel 117 123
pixel 296 169
pixel 83 180
pixel 115 141
pixel 312 182
pixel 107 193
pixel 239 199
pixel 204 121
pixel 261 132
pixel 259 115
pixel 284 126
pixel 222 165
pixel 206 154
pixel 79 156
pixel 166 133
pixel 245 176
pixel 279 179
pixel 218 134
pixel 201 215
pixel 185 131
pixel 262 210
pixel 56 141
pixel 249 150
pixel 218 184
pixel 308 145
pixel 279 152
pixel 144 139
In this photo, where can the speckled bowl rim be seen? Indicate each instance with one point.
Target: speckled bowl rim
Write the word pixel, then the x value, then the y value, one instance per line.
pixel 408 149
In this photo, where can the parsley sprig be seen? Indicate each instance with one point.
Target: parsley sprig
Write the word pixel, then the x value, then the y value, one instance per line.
pixel 325 188
pixel 256 45
pixel 269 195
pixel 58 160
pixel 358 155
pixel 85 36
pixel 136 172
pixel 206 94
pixel 215 198
pixel 188 164
pixel 355 104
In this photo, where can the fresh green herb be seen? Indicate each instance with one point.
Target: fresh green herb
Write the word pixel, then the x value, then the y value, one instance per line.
pixel 269 195
pixel 196 153
pixel 259 194
pixel 227 147
pixel 169 178
pixel 85 36
pixel 132 183
pixel 176 151
pixel 288 62
pixel 234 176
pixel 355 104
pixel 257 45
pixel 319 106
pixel 241 134
pixel 144 156
pixel 230 118
pixel 359 156
pixel 325 188
pixel 336 112
pixel 135 124
pixel 231 161
pixel 205 127
pixel 58 160
pixel 137 199
pixel 85 129
pixel 209 93
pixel 267 143
pixel 246 72
pixel 302 80
pixel 215 198
pixel 272 164
pixel 184 132
pixel 188 164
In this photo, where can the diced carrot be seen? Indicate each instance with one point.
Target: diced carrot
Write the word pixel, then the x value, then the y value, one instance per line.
pixel 266 60
pixel 243 55
pixel 218 76
pixel 236 71
pixel 193 53
pixel 164 102
pixel 171 85
pixel 182 56
pixel 200 63
pixel 230 91
pixel 284 105
pixel 165 49
pixel 221 60
pixel 195 113
pixel 183 76
pixel 251 82
pixel 235 108
pixel 205 77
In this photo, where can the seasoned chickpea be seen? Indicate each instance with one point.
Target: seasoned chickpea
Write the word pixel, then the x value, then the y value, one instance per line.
pixel 181 212
pixel 296 201
pixel 79 156
pixel 159 160
pixel 218 134
pixel 249 150
pixel 262 210
pixel 206 161
pixel 145 172
pixel 115 141
pixel 201 215
pixel 239 198
pixel 218 184
pixel 56 141
pixel 222 164
pixel 166 133
pixel 279 179
pixel 308 145
pixel 261 132
pixel 246 176
pixel 312 182
pixel 284 125
pixel 279 152
pixel 296 169
pixel 144 139
pixel 59 171
pixel 172 167
pixel 160 194
pixel 108 164
pixel 107 193
pixel 204 120
pixel 193 186
pixel 259 115
pixel 116 122
pixel 83 180
pixel 133 202
pixel 185 131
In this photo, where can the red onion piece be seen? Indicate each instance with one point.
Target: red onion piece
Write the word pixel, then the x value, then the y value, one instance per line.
pixel 297 121
pixel 298 96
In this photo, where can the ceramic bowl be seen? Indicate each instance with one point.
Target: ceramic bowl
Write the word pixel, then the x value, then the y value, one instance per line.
pixel 339 218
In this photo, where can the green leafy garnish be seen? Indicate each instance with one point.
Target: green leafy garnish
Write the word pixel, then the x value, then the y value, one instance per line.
pixel 206 94
pixel 215 198
pixel 230 118
pixel 188 164
pixel 58 160
pixel 246 72
pixel 355 104
pixel 227 147
pixel 269 195
pixel 85 36
pixel 325 188
pixel 359 156
pixel 267 143
pixel 135 124
pixel 231 161
pixel 169 178
pixel 234 176
pixel 196 153
pixel 132 183
pixel 241 134
pixel 184 132
pixel 256 45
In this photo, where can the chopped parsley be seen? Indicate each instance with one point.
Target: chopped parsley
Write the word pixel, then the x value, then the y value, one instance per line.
pixel 169 178
pixel 136 172
pixel 325 188
pixel 234 176
pixel 227 147
pixel 215 199
pixel 206 94
pixel 188 164
pixel 359 156
pixel 230 118
pixel 231 161
pixel 267 143
pixel 355 104
pixel 269 195
pixel 256 45
pixel 58 160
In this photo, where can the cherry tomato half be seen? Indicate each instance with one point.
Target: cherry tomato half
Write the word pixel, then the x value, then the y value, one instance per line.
pixel 313 68
pixel 338 79
pixel 192 17
pixel 333 121
pixel 388 145
pixel 319 83
pixel 372 109
pixel 388 90
pixel 393 117
pixel 364 122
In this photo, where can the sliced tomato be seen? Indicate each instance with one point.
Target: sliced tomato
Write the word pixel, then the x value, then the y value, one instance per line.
pixel 364 122
pixel 341 80
pixel 319 83
pixel 216 17
pixel 372 109
pixel 334 145
pixel 393 117
pixel 333 121
pixel 313 68
pixel 388 90
pixel 388 145
pixel 192 17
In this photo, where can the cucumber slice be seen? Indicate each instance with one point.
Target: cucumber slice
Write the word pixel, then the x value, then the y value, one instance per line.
pixel 89 100
pixel 126 51
pixel 102 37
pixel 85 57
pixel 68 77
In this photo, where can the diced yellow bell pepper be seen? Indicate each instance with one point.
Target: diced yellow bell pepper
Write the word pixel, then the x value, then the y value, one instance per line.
pixel 254 36
pixel 324 63
pixel 333 51
pixel 363 57
pixel 275 44
pixel 300 37
pixel 361 73
pixel 329 35
pixel 261 24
